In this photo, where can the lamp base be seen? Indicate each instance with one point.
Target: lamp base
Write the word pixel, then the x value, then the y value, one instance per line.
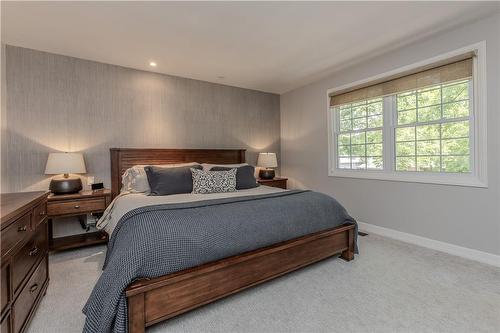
pixel 266 174
pixel 65 185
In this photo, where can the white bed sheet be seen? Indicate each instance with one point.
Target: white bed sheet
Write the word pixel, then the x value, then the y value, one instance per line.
pixel 126 202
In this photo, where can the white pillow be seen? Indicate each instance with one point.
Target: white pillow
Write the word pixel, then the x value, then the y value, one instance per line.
pixel 135 180
pixel 207 167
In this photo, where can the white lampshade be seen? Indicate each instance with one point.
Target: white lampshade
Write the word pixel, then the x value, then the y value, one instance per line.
pixel 267 160
pixel 58 163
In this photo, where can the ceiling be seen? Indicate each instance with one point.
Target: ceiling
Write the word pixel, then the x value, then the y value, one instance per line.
pixel 267 46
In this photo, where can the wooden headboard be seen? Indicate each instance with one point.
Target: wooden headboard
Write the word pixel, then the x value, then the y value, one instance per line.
pixel 124 158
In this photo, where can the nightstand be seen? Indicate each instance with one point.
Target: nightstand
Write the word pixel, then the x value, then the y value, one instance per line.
pixel 79 204
pixel 275 182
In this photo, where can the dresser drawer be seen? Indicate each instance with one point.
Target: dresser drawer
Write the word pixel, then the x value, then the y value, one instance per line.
pixel 27 297
pixel 16 232
pixel 39 214
pixel 76 206
pixel 28 255
pixel 5 296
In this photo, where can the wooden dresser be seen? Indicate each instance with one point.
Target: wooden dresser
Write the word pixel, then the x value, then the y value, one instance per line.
pixel 25 265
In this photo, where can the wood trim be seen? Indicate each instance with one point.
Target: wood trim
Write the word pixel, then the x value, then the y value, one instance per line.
pixel 124 158
pixel 167 296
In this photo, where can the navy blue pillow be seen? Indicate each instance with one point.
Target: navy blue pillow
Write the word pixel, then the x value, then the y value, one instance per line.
pixel 245 176
pixel 165 181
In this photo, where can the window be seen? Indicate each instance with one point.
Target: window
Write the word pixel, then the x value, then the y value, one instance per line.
pixel 432 131
pixel 360 136
pixel 416 127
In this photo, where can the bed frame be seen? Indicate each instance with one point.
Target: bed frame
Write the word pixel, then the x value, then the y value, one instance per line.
pixel 154 300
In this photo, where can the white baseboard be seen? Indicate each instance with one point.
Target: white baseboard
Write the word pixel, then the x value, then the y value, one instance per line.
pixel 464 252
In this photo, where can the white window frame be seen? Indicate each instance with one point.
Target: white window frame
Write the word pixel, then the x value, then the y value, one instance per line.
pixel 478 175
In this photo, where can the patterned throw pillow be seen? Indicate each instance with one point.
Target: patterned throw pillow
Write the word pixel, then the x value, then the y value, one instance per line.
pixel 213 181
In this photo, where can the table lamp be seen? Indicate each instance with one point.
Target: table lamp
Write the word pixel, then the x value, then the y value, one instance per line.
pixel 267 161
pixel 65 163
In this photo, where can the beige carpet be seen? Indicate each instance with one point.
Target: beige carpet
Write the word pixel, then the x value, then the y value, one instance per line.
pixel 390 287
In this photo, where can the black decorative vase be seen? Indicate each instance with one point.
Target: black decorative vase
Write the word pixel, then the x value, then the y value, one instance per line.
pixel 65 185
pixel 266 174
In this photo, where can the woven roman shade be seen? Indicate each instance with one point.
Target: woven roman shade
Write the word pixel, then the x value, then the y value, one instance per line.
pixel 439 73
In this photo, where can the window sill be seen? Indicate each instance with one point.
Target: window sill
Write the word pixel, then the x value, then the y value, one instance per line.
pixel 467 180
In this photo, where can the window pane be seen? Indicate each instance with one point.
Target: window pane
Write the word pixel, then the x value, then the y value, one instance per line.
pixel 375 108
pixel 359 163
pixel 456 110
pixel 407 117
pixel 455 130
pixel 428 97
pixel 455 92
pixel 374 163
pixel 375 121
pixel 427 132
pixel 374 136
pixel 405 134
pixel 429 113
pixel 431 147
pixel 429 163
pixel 456 164
pixel 344 139
pixel 405 148
pixel 406 101
pixel 358 150
pixel 345 125
pixel 344 163
pixel 358 123
pixel 374 150
pixel 405 163
pixel 344 150
pixel 359 111
pixel 456 147
pixel 345 112
pixel 358 138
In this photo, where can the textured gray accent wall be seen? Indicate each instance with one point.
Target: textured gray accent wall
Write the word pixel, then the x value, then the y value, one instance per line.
pixel 59 103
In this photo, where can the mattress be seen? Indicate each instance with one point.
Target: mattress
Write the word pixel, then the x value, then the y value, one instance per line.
pixel 126 202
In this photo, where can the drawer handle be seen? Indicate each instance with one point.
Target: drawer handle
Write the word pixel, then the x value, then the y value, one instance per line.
pixel 42 213
pixel 23 228
pixel 33 251
pixel 77 207
pixel 34 288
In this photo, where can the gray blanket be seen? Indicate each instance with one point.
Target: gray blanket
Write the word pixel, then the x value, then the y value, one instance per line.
pixel 156 240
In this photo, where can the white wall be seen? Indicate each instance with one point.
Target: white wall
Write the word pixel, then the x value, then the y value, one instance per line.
pixel 464 216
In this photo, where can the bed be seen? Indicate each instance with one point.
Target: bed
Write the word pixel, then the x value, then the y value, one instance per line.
pixel 158 298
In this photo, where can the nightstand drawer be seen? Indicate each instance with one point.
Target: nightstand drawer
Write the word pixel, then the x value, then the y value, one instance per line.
pixel 280 183
pixel 15 233
pixel 75 207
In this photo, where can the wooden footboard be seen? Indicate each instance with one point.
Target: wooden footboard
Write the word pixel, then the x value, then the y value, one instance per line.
pixel 155 300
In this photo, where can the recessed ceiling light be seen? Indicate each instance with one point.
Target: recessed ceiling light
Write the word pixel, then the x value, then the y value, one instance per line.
pixel 152 64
